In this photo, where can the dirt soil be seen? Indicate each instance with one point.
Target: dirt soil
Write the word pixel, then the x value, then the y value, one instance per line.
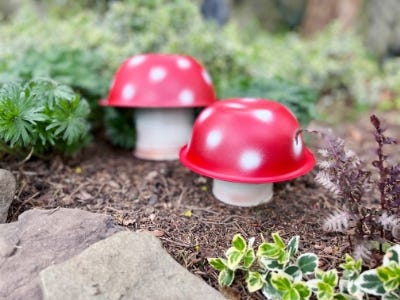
pixel 177 206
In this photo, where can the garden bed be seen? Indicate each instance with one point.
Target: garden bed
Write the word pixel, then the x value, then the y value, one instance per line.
pixel 176 205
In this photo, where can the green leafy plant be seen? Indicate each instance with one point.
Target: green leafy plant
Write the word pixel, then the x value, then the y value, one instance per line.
pixel 40 116
pixel 120 126
pixel 83 71
pixel 279 272
pixel 239 256
pixel 383 281
pixel 352 186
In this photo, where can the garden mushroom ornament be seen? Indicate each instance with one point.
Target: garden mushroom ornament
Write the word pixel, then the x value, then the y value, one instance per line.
pixel 246 145
pixel 163 89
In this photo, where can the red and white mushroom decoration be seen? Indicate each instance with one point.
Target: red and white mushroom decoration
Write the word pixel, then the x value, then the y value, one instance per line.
pixel 163 89
pixel 245 145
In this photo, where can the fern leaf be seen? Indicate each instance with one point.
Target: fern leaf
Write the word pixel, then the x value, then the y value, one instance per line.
pixel 337 221
pixel 325 164
pixel 324 152
pixel 362 251
pixel 388 221
pixel 324 179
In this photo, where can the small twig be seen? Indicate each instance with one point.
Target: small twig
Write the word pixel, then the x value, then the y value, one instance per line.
pixel 177 243
pixel 99 190
pixel 26 158
pixel 179 201
pixel 301 130
pixel 201 209
pixel 53 210
pixel 26 201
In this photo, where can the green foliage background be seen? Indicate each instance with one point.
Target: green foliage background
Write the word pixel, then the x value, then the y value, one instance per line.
pixel 82 47
pixel 41 116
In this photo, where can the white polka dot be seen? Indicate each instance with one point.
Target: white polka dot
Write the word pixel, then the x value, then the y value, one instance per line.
pixel 297 146
pixel 249 99
pixel 128 92
pixel 250 160
pixel 263 115
pixel 205 114
pixel 136 60
pixel 235 105
pixel 157 74
pixel 183 63
pixel 186 96
pixel 214 138
pixel 206 77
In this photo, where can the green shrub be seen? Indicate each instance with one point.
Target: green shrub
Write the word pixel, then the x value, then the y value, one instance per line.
pixel 41 116
pixel 280 272
pixel 80 69
pixel 83 48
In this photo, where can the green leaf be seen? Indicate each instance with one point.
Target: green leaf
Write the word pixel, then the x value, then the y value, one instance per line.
pixel 19 115
pixel 303 290
pixel 331 278
pixel 281 282
pixel 294 272
pixel 226 277
pixel 307 263
pixel 389 275
pixel 324 291
pixel 392 254
pixel 234 258
pixel 369 282
pixel 269 251
pixel 278 240
pixel 271 264
pixel 291 294
pixel 293 246
pixel 218 264
pixel 120 127
pixel 268 290
pixel 351 267
pixel 249 258
pixel 254 281
pixel 239 243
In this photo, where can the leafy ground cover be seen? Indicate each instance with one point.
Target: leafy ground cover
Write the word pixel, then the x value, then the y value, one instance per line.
pixel 176 205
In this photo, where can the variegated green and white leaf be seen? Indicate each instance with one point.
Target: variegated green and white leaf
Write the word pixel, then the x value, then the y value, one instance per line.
pixel 234 259
pixel 294 272
pixel 369 283
pixel 307 263
pixel 248 258
pixel 293 246
pixel 392 254
pixel 254 281
pixel 217 263
pixel 225 277
pixel 239 243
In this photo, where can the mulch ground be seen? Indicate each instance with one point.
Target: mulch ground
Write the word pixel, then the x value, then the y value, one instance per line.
pixel 177 206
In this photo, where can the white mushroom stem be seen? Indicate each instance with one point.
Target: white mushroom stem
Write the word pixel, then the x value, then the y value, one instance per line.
pixel 242 194
pixel 162 132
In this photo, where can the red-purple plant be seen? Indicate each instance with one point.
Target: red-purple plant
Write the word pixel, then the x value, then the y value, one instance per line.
pixel 361 214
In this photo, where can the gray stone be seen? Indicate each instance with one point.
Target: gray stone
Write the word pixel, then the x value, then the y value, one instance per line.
pixel 7 191
pixel 41 238
pixel 127 265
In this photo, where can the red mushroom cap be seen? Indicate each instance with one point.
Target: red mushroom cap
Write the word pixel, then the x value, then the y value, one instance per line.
pixel 160 80
pixel 247 140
